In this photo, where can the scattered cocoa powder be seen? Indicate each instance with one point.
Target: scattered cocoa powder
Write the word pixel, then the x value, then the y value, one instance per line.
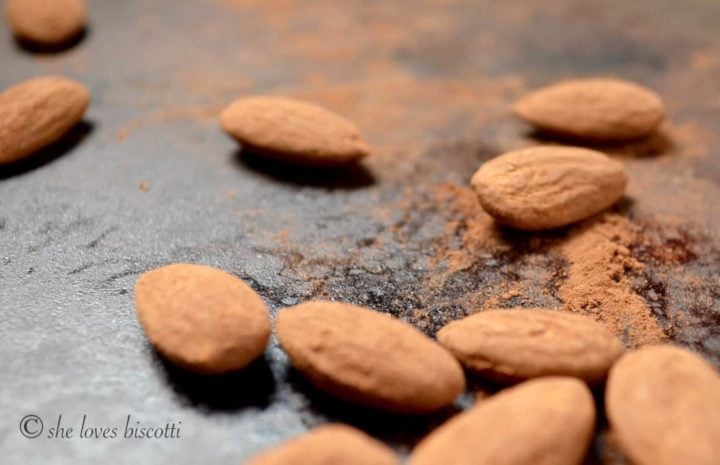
pixel 596 281
pixel 478 230
pixel 393 112
pixel 597 284
pixel 168 114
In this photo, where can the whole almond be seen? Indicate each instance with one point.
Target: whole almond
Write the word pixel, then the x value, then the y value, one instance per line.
pixel 547 421
pixel 201 318
pixel 363 356
pixel 46 22
pixel 38 112
pixel 663 403
pixel 598 109
pixel 293 130
pixel 513 345
pixel 332 444
pixel 547 187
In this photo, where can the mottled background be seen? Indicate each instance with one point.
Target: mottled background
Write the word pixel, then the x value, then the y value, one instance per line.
pixel 150 179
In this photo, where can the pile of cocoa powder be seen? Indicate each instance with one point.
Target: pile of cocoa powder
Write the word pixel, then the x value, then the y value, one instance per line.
pixel 595 280
pixel 599 258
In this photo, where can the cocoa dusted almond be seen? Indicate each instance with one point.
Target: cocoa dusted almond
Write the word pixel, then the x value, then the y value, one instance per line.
pixel 201 318
pixel 513 345
pixel 548 187
pixel 546 421
pixel 370 358
pixel 293 130
pixel 663 403
pixel 329 445
pixel 38 112
pixel 46 22
pixel 596 109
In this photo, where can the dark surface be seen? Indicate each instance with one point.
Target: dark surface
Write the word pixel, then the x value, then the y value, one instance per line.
pixel 430 84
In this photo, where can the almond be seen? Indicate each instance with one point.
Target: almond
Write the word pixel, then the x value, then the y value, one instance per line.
pixel 38 112
pixel 663 403
pixel 547 187
pixel 46 22
pixel 513 345
pixel 548 421
pixel 332 444
pixel 293 131
pixel 597 109
pixel 363 356
pixel 201 318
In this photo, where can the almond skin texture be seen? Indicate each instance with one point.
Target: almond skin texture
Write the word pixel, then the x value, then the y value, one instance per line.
pixel 38 112
pixel 294 131
pixel 548 187
pixel 595 109
pixel 548 421
pixel 369 358
pixel 201 318
pixel 513 345
pixel 332 444
pixel 663 403
pixel 46 22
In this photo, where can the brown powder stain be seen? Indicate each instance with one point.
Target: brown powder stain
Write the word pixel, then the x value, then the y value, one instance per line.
pixel 666 241
pixel 705 60
pixel 123 133
pixel 209 86
pixel 693 139
pixel 507 293
pixel 687 139
pixel 370 36
pixel 203 113
pixel 597 284
pixel 595 280
pixel 399 115
pixel 395 112
pixel 284 236
pixel 477 230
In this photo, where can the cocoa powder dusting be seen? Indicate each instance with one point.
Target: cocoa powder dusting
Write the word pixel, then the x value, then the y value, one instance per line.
pixel 476 228
pixel 425 207
pixel 596 278
pixel 599 259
